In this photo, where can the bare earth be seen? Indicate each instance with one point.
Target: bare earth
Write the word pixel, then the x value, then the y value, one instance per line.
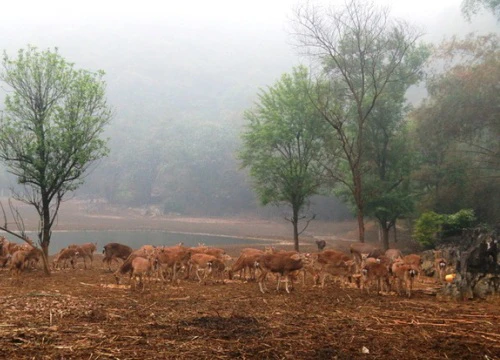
pixel 81 314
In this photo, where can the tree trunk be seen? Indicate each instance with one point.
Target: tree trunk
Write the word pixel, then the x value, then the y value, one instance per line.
pixel 358 192
pixel 361 226
pixel 45 235
pixel 385 236
pixel 395 233
pixel 295 222
pixel 45 262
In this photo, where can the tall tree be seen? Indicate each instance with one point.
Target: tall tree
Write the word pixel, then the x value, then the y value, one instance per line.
pixel 457 128
pixel 50 129
pixel 282 145
pixel 361 50
pixel 387 190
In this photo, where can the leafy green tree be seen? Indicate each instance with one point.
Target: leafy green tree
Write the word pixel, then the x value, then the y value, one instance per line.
pixel 456 129
pixel 50 129
pixel 388 194
pixel 361 50
pixel 282 145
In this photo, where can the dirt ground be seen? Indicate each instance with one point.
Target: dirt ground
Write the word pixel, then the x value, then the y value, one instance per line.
pixel 81 314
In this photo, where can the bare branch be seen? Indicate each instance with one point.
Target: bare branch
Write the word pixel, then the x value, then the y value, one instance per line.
pixel 307 223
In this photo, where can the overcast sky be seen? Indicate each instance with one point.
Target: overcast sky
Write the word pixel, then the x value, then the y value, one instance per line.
pixel 122 36
pixel 194 12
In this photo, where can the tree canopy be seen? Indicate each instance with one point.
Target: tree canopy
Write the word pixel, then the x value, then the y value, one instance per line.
pixel 282 145
pixel 50 130
pixel 361 50
pixel 456 129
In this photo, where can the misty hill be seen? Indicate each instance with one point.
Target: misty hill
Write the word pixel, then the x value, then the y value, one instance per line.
pixel 179 86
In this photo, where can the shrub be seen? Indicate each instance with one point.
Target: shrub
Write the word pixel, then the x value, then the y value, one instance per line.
pixel 427 228
pixel 430 227
pixel 455 223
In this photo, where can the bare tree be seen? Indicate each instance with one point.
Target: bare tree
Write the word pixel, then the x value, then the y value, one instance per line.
pixel 360 50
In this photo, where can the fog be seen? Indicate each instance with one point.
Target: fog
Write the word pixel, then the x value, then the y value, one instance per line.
pixel 179 77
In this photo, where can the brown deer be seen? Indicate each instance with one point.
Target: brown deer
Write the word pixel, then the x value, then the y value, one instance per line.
pixel 282 263
pixel 114 251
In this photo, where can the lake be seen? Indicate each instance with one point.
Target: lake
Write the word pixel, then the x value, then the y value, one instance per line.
pixel 135 239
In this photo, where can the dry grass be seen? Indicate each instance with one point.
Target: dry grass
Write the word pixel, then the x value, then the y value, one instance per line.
pixel 78 314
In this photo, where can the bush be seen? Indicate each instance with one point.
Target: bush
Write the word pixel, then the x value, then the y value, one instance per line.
pixel 427 228
pixel 430 227
pixel 455 223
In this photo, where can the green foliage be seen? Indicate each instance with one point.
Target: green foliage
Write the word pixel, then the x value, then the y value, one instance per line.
pixel 282 145
pixel 455 223
pixel 52 120
pixel 456 130
pixel 50 130
pixel 431 227
pixel 368 61
pixel 427 228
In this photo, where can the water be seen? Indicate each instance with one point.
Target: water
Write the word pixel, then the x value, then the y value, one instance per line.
pixel 135 239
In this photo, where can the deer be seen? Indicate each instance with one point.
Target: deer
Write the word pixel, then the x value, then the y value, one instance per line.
pixel 404 273
pixel 245 262
pixel 85 251
pixel 114 251
pixel 216 269
pixel 393 254
pixel 440 264
pixel 375 272
pixel 325 262
pixel 335 263
pixel 321 244
pixel 282 263
pixel 415 260
pixel 141 268
pixel 172 258
pixel 63 256
pixel 138 267
pixel 20 258
pixel 361 251
pixel 202 262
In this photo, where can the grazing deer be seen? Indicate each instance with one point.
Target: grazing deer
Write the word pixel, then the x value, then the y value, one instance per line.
pixel 282 263
pixel 141 268
pixel 64 255
pixel 172 259
pixel 245 262
pixel 85 251
pixel 114 251
pixel 20 258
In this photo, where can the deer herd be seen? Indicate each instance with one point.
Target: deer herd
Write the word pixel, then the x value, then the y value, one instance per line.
pixel 366 267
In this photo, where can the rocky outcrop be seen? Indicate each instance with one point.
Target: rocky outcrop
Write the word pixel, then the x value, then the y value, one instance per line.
pixel 476 262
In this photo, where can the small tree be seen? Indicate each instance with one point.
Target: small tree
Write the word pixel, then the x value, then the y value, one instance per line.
pixel 427 228
pixel 283 145
pixel 50 129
